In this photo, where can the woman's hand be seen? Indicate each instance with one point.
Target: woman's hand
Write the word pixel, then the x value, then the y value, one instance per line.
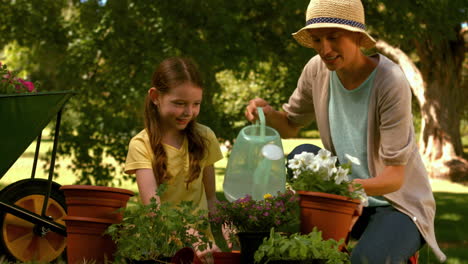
pixel 251 110
pixel 389 180
pixel 275 119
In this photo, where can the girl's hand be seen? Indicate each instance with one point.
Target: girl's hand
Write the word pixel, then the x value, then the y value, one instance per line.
pixel 206 256
pixel 226 231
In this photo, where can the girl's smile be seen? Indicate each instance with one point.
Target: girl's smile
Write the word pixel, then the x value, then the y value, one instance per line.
pixel 179 106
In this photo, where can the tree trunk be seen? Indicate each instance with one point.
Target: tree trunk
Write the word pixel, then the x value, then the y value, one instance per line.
pixel 438 89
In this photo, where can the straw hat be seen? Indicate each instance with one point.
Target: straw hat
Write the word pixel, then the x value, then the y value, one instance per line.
pixel 345 14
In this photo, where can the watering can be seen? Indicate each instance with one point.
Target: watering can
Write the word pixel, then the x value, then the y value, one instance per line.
pixel 256 165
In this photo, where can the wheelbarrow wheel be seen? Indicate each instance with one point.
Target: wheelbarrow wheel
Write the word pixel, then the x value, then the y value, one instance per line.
pixel 22 240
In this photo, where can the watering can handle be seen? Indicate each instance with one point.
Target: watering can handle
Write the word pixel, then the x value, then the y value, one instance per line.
pixel 261 117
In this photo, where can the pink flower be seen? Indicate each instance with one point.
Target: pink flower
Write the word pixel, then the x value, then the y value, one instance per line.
pixel 28 85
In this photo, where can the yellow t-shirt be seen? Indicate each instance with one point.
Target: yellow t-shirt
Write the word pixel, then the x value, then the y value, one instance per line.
pixel 140 156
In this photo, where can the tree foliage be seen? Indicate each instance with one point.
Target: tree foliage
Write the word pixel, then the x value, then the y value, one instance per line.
pixel 107 50
pixel 430 32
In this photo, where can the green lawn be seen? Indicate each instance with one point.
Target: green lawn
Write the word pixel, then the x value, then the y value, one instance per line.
pixel 450 222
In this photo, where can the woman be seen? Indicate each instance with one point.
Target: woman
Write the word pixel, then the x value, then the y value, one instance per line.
pixel 362 106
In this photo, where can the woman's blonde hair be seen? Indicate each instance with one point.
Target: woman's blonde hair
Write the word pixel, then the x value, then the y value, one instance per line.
pixel 170 73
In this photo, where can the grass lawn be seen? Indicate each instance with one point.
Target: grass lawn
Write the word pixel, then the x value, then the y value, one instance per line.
pixel 451 199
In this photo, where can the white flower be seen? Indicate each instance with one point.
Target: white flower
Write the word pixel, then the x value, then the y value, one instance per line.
pixel 324 154
pixel 341 175
pixel 353 159
pixel 312 171
pixel 307 158
pixel 314 166
pixel 330 164
pixel 294 164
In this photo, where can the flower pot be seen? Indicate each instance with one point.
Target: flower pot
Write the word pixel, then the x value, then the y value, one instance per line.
pixel 330 213
pixel 95 201
pixel 91 210
pixel 249 243
pixel 185 256
pixel 86 240
pixel 227 257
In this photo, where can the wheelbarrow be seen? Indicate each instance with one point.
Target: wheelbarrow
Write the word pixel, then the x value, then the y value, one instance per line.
pixel 32 209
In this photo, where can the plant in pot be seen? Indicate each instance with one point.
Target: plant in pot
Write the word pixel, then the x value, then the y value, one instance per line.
pixel 159 233
pixel 11 83
pixel 250 220
pixel 300 249
pixel 328 198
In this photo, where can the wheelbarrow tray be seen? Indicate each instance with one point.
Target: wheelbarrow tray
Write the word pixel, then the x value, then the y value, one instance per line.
pixel 22 118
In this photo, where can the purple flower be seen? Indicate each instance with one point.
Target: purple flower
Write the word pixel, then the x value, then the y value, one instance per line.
pixel 248 214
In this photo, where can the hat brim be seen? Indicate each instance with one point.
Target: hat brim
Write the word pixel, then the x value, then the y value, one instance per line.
pixel 303 37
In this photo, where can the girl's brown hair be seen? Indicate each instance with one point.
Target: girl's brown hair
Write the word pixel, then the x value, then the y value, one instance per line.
pixel 170 73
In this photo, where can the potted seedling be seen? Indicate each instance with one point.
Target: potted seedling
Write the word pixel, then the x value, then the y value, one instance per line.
pixel 155 233
pixel 250 220
pixel 300 249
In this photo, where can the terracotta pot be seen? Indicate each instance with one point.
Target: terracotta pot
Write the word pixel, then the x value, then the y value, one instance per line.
pixel 330 213
pixel 91 210
pixel 185 256
pixel 227 257
pixel 86 240
pixel 95 201
pixel 249 243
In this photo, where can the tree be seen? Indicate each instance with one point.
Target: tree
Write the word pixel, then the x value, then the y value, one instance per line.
pixel 108 52
pixel 429 32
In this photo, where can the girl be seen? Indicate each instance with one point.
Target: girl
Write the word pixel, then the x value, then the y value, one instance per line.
pixel 362 106
pixel 173 148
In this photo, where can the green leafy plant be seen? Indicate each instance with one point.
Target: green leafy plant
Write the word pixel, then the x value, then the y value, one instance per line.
pixel 10 83
pixel 319 173
pixel 300 247
pixel 149 232
pixel 247 214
